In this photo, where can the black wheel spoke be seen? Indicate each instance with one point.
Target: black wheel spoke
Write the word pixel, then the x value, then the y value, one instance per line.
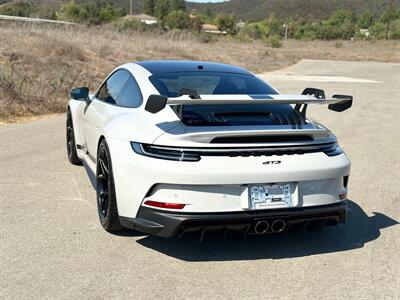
pixel 70 141
pixel 70 136
pixel 105 203
pixel 102 177
pixel 103 182
pixel 103 167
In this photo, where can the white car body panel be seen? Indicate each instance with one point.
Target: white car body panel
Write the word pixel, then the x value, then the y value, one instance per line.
pixel 218 171
pixel 213 184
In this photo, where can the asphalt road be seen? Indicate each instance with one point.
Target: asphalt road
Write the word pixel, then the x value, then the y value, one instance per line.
pixel 52 246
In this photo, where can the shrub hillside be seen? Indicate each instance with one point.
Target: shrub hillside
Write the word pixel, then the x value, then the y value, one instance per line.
pixel 173 15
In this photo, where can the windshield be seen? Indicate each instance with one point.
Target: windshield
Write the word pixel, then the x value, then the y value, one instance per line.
pixel 210 83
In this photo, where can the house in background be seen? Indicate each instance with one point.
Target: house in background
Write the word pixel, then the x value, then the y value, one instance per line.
pixel 149 20
pixel 240 24
pixel 365 32
pixel 210 28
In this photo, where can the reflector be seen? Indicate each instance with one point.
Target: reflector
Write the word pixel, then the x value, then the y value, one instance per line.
pixel 164 205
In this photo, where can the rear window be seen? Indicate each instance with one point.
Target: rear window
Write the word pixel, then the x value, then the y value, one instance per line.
pixel 210 83
pixel 238 115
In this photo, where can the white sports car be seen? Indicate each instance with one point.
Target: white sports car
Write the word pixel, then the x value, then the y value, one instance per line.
pixel 184 146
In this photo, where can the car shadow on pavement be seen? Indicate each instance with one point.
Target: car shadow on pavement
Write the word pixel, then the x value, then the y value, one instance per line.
pixel 358 230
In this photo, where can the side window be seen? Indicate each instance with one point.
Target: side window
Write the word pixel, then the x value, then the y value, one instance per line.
pixel 130 95
pixel 111 89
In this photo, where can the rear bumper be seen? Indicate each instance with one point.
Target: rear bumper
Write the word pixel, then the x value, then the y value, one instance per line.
pixel 214 183
pixel 167 224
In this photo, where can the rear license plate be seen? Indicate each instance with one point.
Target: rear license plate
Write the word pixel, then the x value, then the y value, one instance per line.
pixel 269 196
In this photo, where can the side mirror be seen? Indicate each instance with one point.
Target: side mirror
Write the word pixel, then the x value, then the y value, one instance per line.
pixel 80 93
pixel 156 103
pixel 342 105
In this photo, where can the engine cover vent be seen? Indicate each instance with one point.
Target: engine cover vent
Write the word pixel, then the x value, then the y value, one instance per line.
pixel 260 139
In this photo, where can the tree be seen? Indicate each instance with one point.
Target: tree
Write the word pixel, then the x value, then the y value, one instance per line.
pixel 197 22
pixel 396 30
pixel 161 8
pixel 148 7
pixel 177 19
pixel 274 26
pixel 227 23
pixel 178 5
pixel 209 13
pixel 365 20
pixel 387 17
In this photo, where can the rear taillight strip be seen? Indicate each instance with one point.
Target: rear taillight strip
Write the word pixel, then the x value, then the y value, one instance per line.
pixel 195 154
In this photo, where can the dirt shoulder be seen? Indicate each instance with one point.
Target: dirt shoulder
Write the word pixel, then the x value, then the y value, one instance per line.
pixel 38 65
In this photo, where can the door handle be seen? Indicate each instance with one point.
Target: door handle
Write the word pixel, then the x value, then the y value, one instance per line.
pixel 97 126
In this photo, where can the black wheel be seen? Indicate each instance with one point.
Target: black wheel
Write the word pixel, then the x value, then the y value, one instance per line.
pixel 71 147
pixel 106 199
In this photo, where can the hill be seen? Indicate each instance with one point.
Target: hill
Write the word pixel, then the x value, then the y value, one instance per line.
pixel 259 9
pixel 309 9
pixel 137 4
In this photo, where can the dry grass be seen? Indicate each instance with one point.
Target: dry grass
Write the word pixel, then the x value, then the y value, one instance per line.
pixel 38 65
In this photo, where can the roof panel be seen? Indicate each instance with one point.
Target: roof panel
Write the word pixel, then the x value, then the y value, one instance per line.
pixel 169 66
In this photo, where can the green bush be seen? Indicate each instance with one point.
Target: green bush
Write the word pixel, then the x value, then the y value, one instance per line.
pixel 148 7
pixel 92 13
pixel 365 20
pixel 177 19
pixel 128 24
pixel 132 24
pixel 344 31
pixel 226 23
pixel 274 26
pixel 395 34
pixel 340 25
pixel 306 31
pixel 196 22
pixel 18 9
pixel 275 41
pixel 178 5
pixel 162 8
pixel 377 30
pixel 72 12
pixel 250 31
pixel 265 30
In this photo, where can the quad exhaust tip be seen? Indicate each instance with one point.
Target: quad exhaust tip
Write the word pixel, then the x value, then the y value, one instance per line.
pixel 278 225
pixel 261 227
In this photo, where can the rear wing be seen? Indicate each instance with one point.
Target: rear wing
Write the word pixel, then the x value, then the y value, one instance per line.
pixel 338 103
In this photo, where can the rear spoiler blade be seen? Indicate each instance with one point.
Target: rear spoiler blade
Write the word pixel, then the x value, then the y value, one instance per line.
pixel 156 103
